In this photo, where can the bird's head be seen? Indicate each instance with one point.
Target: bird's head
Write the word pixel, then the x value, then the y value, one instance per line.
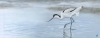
pixel 55 16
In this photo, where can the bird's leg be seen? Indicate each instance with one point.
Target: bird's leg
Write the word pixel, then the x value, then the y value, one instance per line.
pixel 64 33
pixel 66 24
pixel 72 20
pixel 70 27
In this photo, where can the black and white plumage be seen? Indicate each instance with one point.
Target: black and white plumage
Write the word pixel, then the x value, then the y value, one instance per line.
pixel 68 13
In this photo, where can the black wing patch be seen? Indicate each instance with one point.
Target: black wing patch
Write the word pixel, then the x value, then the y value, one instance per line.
pixel 70 11
pixel 64 10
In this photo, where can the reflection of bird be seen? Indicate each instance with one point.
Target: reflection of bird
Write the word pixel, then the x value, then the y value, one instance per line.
pixel 69 13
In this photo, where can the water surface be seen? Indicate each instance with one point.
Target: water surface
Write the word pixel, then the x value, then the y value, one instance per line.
pixel 32 23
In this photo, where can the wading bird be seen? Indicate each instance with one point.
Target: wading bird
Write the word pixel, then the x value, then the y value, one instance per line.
pixel 68 13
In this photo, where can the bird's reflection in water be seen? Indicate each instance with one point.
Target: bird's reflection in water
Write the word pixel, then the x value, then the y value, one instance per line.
pixel 65 34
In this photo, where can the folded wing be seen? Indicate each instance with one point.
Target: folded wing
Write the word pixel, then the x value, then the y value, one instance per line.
pixel 69 10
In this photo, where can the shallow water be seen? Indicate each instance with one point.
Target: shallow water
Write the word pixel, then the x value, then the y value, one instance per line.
pixel 32 23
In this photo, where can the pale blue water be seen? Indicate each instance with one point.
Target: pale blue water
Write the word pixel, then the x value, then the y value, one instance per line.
pixel 31 23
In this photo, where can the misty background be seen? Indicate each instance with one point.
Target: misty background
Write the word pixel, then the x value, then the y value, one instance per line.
pixel 90 5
